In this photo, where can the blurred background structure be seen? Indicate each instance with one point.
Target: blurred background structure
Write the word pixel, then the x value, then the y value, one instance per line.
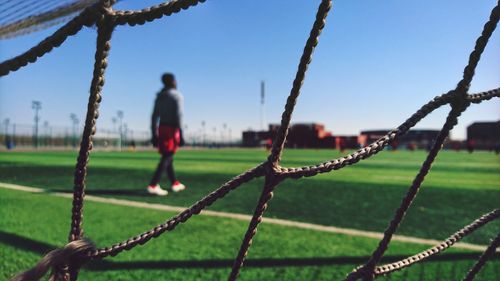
pixel 42 134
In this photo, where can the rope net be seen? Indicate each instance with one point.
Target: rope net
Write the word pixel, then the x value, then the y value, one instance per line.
pixel 66 262
pixel 24 17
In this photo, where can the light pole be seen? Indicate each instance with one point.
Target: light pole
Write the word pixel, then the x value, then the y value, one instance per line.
pixel 6 134
pixel 131 143
pixel 114 120
pixel 6 122
pixel 199 137
pixel 203 132
pixel 119 114
pixel 114 124
pixel 46 132
pixel 74 123
pixel 14 134
pixel 184 133
pixel 36 105
pixel 262 108
pixel 125 133
pixel 223 133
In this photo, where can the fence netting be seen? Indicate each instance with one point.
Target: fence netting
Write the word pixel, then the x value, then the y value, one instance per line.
pixel 66 262
pixel 23 17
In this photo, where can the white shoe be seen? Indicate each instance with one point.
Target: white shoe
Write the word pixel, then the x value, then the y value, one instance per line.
pixel 157 190
pixel 177 186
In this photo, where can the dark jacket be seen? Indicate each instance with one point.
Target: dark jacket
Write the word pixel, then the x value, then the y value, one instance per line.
pixel 167 109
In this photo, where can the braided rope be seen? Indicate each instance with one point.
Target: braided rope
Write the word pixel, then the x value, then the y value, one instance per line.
pixel 11 14
pixel 369 268
pixel 265 197
pixel 55 260
pixel 31 26
pixel 459 105
pixel 170 224
pixel 86 18
pixel 475 55
pixel 67 261
pixel 154 12
pixel 104 30
pixel 44 20
pixel 381 143
pixel 480 97
pixel 482 260
pixel 279 143
pixel 312 42
pixel 450 241
pixel 372 148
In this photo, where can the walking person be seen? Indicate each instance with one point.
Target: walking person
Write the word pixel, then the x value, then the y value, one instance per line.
pixel 167 133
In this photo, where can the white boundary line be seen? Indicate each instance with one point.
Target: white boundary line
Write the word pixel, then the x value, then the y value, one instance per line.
pixel 296 224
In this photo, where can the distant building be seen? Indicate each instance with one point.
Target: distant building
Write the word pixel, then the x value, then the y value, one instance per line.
pixel 484 135
pixel 255 138
pixel 301 135
pixel 309 135
pixel 413 139
pixel 346 142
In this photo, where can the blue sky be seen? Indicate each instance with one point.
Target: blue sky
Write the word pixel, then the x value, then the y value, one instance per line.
pixel 376 63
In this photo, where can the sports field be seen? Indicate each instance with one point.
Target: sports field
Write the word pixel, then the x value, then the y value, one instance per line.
pixel 460 188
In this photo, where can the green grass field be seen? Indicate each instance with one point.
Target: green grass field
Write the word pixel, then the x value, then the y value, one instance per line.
pixel 460 188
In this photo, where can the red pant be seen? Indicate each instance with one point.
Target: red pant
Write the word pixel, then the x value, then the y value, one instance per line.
pixel 169 138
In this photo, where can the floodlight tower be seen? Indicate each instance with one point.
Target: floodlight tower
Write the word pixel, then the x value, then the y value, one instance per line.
pixel 125 134
pixel 114 124
pixel 6 122
pixel 223 133
pixel 203 132
pixel 262 109
pixel 46 133
pixel 36 105
pixel 74 123
pixel 14 134
pixel 119 114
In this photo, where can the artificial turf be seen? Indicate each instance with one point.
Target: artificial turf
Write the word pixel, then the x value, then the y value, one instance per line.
pixel 202 248
pixel 459 188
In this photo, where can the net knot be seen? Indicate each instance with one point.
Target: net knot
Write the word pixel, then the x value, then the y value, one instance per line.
pixel 73 254
pixel 459 101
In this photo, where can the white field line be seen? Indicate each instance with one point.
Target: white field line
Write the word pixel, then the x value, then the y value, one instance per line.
pixel 296 224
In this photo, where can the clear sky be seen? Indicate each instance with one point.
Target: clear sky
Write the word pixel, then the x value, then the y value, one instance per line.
pixel 376 63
